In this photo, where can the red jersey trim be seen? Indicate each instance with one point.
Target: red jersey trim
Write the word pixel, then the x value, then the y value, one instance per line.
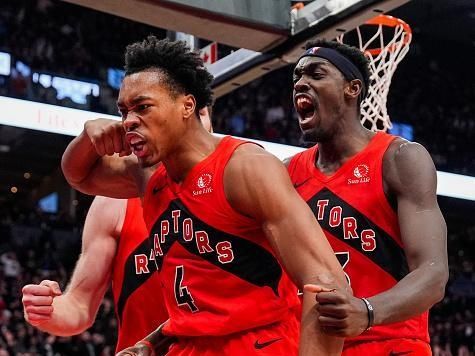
pixel 132 204
pixel 382 200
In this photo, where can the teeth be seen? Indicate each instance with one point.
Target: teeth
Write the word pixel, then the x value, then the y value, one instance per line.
pixel 304 102
pixel 135 140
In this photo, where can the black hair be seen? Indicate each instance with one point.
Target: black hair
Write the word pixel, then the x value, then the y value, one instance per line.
pixel 353 54
pixel 184 72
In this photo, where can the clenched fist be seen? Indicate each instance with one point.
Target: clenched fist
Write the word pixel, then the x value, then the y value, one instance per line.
pixel 341 314
pixel 38 301
pixel 107 137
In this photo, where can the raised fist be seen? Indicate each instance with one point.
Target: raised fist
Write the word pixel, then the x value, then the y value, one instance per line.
pixel 107 136
pixel 38 301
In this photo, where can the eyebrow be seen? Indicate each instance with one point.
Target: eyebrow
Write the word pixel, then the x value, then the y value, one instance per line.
pixel 134 101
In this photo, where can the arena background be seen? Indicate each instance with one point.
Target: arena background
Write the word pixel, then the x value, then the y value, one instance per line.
pixel 56 53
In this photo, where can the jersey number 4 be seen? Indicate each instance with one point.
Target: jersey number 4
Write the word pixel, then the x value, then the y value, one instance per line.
pixel 182 296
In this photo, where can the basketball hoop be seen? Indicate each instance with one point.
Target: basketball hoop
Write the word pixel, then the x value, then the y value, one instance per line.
pixel 385 41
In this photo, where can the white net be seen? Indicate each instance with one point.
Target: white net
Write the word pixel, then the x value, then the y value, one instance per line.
pixel 385 41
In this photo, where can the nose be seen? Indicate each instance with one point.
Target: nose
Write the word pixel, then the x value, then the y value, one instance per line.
pixel 301 85
pixel 130 122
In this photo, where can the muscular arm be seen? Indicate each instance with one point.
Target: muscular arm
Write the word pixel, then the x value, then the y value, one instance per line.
pixel 91 166
pixel 411 176
pixel 76 309
pixel 258 186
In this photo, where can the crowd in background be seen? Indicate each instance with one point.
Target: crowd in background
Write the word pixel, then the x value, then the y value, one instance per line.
pixel 59 38
pixel 35 246
pixel 431 93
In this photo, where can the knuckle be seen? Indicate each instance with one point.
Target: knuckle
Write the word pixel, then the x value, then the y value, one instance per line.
pixel 345 310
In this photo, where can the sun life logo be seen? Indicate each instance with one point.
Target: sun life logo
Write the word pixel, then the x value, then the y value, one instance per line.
pixel 360 172
pixel 203 184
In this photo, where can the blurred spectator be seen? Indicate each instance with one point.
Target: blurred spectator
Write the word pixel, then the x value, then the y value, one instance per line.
pixel 21 265
pixel 11 266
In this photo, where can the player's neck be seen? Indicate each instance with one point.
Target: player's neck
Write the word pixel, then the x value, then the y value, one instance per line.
pixel 348 141
pixel 193 147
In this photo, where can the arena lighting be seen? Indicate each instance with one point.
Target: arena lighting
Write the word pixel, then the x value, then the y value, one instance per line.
pixel 114 77
pixel 5 63
pixel 76 90
pixel 66 121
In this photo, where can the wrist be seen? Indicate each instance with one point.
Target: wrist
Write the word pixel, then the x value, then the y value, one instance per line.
pixel 147 344
pixel 370 313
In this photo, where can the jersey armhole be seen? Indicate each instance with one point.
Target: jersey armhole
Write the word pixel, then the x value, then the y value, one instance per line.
pixel 127 217
pixel 382 198
pixel 291 166
pixel 221 194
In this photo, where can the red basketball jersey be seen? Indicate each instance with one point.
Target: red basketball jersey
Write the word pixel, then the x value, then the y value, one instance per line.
pixel 219 275
pixel 361 226
pixel 137 294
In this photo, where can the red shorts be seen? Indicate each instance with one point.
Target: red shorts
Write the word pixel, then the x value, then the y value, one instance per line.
pixel 392 347
pixel 279 339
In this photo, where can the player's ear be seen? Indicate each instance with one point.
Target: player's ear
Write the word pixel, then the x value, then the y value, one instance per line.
pixel 353 88
pixel 189 106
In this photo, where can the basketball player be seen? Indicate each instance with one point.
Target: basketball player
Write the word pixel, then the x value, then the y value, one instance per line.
pixel 115 247
pixel 220 223
pixel 375 196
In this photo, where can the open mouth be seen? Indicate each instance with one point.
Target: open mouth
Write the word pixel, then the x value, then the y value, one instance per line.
pixel 305 106
pixel 137 143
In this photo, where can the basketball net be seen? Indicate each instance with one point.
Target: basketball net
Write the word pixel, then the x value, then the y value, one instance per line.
pixel 385 41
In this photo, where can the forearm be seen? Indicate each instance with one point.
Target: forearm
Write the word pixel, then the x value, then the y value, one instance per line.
pixel 70 317
pixel 312 340
pixel 317 266
pixel 78 159
pixel 158 341
pixel 413 295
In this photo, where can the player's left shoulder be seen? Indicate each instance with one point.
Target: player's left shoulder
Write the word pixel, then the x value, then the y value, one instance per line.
pixel 253 165
pixel 406 162
pixel 252 156
pixel 403 155
pixel 249 176
pixel 248 147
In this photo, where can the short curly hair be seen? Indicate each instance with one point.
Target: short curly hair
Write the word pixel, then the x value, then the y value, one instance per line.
pixel 353 54
pixel 184 70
